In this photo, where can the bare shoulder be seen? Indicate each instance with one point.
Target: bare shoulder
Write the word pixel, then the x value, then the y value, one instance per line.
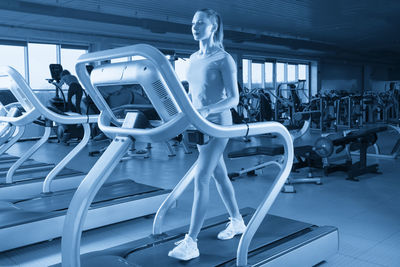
pixel 227 60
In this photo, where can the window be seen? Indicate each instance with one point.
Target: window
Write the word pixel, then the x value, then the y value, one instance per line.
pixel 14 56
pixel 245 66
pixel 303 72
pixel 303 75
pixel 4 83
pixel 69 57
pixel 256 75
pixel 40 57
pixel 262 75
pixel 280 72
pixel 269 74
pixel 181 67
pixel 291 69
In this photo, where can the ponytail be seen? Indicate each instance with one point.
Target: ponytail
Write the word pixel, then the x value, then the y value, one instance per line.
pixel 219 32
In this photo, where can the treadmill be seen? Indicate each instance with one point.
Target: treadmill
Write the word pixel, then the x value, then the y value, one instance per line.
pixel 40 217
pixel 8 132
pixel 20 176
pixel 9 135
pixel 268 240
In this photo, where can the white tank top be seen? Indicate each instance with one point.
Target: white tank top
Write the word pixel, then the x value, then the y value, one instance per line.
pixel 206 85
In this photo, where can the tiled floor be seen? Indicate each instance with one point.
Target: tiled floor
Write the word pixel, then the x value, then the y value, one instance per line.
pixel 367 213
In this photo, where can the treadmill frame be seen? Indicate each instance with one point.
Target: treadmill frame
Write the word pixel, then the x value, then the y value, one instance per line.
pixel 87 190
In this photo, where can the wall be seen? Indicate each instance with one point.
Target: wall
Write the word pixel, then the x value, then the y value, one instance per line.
pixel 394 73
pixel 341 76
pixel 378 77
pixel 356 77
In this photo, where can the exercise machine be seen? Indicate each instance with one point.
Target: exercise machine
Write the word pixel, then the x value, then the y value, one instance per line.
pixel 11 166
pixel 20 184
pixel 394 152
pixel 358 140
pixel 40 217
pixel 9 134
pixel 274 240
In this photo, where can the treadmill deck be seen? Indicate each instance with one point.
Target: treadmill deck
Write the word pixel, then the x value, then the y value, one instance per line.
pixel 47 206
pixel 41 218
pixel 272 235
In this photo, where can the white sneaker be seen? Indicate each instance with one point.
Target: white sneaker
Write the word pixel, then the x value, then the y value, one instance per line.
pixel 185 249
pixel 235 227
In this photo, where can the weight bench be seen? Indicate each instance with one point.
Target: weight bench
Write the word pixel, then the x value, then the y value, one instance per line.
pixel 361 140
pixel 302 153
pixel 324 148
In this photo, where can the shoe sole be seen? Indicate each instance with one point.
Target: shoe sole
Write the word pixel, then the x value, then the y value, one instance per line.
pixel 184 259
pixel 230 237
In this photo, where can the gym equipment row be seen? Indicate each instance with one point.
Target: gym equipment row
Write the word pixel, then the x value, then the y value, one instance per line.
pixel 332 110
pixel 255 105
pixel 348 111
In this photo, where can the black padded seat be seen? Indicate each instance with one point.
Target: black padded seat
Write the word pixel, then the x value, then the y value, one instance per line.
pixel 306 151
pixel 271 150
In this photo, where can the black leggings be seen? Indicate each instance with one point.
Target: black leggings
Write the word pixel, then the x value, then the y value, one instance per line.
pixel 75 89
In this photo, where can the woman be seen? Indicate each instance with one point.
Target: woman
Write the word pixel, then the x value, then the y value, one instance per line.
pixel 213 89
pixel 74 88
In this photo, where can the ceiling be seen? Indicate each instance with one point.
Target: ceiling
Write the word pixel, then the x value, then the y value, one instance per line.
pixel 363 28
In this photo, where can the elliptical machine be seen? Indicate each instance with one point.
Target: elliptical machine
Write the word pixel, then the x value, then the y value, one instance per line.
pixel 65 133
pixel 57 102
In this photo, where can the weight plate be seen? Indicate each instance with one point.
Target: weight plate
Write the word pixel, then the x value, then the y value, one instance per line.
pixel 323 147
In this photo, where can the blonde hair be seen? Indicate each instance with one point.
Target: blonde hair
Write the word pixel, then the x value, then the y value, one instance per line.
pixel 219 32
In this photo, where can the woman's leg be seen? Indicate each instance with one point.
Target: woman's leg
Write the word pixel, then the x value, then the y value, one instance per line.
pixel 75 89
pixel 208 159
pixel 71 92
pixel 225 189
pixel 78 98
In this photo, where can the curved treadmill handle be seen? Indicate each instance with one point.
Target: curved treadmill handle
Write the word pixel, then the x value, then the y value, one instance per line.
pixel 229 131
pixel 29 101
pixel 232 131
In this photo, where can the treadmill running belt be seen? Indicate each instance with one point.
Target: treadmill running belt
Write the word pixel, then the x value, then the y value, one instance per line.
pixel 25 175
pixel 5 166
pixel 214 252
pixel 47 205
pixel 8 157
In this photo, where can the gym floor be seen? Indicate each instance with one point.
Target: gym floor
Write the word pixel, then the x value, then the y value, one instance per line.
pixel 366 213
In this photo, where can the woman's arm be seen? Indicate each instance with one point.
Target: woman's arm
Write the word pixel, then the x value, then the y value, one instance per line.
pixel 229 77
pixel 60 83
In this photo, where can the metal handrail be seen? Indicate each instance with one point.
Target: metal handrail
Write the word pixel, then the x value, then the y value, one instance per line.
pixel 7 129
pixel 36 108
pixel 165 131
pixel 61 165
pixel 212 129
pixel 27 155
pixel 20 130
pixel 172 197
